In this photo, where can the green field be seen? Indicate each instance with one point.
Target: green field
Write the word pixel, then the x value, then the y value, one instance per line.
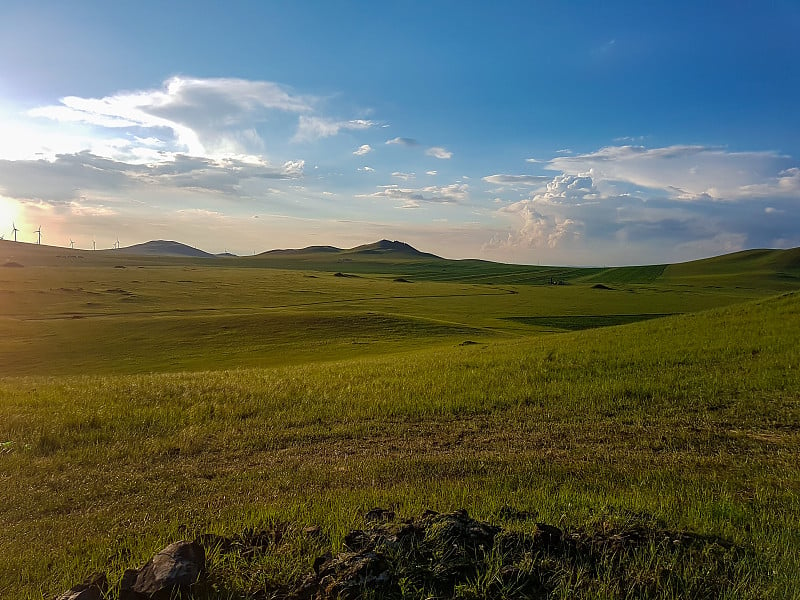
pixel 147 399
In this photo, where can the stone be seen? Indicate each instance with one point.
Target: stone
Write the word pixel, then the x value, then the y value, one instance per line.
pixel 93 588
pixel 171 571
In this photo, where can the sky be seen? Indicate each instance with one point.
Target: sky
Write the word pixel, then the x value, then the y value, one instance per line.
pixel 570 133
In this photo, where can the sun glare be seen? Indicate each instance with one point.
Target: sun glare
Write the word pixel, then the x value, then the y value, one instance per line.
pixel 9 216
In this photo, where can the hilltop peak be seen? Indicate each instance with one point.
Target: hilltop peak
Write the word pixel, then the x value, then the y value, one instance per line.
pixel 165 248
pixel 389 247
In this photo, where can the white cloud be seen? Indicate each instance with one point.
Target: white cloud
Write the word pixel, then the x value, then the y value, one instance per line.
pixel 535 229
pixel 431 173
pixel 527 180
pixel 312 128
pixel 362 150
pixel 439 152
pixel 63 179
pixel 202 117
pixel 402 141
pixel 404 176
pixel 454 193
pixel 687 172
pixel 366 169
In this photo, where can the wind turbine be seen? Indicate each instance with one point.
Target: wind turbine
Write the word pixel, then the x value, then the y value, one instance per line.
pixel 116 244
pixel 39 231
pixel 71 244
pixel 15 230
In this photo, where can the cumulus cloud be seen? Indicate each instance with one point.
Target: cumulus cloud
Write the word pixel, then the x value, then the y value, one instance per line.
pixel 536 229
pixel 439 152
pixel 312 128
pixel 196 116
pixel 362 150
pixel 431 173
pixel 402 141
pixel 687 172
pixel 366 169
pixel 568 189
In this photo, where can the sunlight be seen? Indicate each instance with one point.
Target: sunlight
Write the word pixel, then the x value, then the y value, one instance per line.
pixel 9 216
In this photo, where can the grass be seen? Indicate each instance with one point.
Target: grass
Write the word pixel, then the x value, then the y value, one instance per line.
pixel 576 322
pixel 688 423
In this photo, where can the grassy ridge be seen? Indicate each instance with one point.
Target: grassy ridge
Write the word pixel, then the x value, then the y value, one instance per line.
pixel 693 420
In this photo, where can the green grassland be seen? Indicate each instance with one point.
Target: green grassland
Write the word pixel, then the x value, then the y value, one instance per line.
pixel 175 396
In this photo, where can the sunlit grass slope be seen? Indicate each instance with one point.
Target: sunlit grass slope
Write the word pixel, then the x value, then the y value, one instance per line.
pixel 691 420
pixel 105 320
pixel 779 269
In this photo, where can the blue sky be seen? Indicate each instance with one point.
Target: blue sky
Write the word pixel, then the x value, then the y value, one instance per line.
pixel 552 133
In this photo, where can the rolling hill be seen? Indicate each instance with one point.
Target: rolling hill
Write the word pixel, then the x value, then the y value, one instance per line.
pixel 759 268
pixel 163 248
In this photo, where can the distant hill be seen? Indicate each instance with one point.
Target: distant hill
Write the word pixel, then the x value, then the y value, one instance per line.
pixel 164 248
pixel 748 269
pixel 386 247
pixel 309 250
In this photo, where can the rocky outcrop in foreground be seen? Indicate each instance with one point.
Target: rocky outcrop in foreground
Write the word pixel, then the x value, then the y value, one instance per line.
pixel 439 555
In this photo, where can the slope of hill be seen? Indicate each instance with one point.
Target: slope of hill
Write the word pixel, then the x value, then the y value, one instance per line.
pixel 751 269
pixel 307 251
pixel 779 269
pixel 164 248
pixel 386 247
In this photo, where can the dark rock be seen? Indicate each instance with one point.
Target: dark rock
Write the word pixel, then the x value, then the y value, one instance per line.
pixel 349 575
pixel 170 572
pixel 358 540
pixel 459 530
pixel 306 589
pixel 93 588
pixel 379 515
pixel 551 536
pixel 322 560
pixel 126 585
